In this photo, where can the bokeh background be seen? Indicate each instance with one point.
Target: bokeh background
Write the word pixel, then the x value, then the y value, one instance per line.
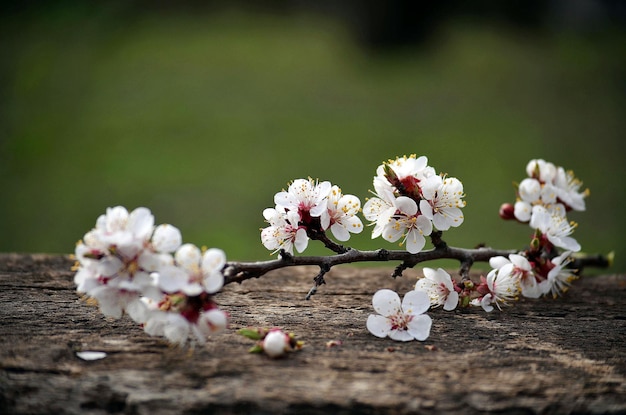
pixel 202 111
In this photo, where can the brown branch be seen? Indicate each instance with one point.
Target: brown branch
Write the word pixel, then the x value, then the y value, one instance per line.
pixel 580 261
pixel 241 271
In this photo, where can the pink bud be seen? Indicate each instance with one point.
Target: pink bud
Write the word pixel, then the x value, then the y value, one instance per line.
pixel 507 211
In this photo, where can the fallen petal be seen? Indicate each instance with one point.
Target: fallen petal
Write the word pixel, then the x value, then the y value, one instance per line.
pixel 89 355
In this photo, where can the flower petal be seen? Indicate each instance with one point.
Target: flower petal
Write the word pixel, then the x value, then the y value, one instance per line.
pixel 353 224
pixel 386 302
pixel 498 262
pixel 176 329
pixel 213 260
pixel 213 282
pixel 486 303
pixel 340 232
pixel 137 310
pixel 406 205
pixel 400 335
pixel 188 256
pixel 171 278
pixel 192 289
pixel 519 261
pixel 89 355
pixel 415 302
pixel 212 321
pixel 426 209
pixel 318 209
pixel 166 238
pixel 522 211
pixel 154 261
pixel 302 240
pixel 116 219
pixel 379 326
pixel 565 242
pixel 109 266
pixel 140 222
pixel 419 327
pixel 392 231
pixel 452 301
pixel 349 204
pixel 415 241
pixel 373 207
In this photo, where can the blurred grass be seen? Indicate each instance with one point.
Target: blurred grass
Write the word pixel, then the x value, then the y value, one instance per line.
pixel 203 117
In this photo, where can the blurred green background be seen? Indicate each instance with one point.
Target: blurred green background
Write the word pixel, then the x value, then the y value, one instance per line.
pixel 202 112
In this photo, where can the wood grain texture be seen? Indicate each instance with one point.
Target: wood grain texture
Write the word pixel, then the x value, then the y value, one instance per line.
pixel 536 357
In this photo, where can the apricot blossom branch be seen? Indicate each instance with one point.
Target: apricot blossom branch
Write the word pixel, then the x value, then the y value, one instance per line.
pixel 129 266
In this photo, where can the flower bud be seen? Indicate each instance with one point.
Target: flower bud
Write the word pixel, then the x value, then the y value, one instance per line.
pixel 276 343
pixel 507 211
pixel 390 174
pixel 535 243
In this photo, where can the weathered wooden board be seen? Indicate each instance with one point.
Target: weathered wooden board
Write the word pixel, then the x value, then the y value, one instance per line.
pixel 546 356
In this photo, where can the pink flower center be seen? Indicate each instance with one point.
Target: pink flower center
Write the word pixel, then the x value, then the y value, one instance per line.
pixel 443 290
pixel 400 321
pixel 304 211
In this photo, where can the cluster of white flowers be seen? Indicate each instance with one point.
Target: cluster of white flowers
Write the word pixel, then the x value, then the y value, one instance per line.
pixel 130 266
pixel 544 198
pixel 309 206
pixel 509 278
pixel 411 199
pixel 516 275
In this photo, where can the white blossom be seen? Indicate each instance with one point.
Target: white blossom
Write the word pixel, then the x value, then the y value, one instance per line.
pixel 531 193
pixel 541 170
pixel 517 266
pixel 559 277
pixel 440 288
pixel 379 211
pixel 194 272
pixel 568 189
pixel 341 214
pixel 179 330
pixel 398 218
pixel 305 197
pixel 403 321
pixel 284 231
pixel 502 286
pixel 408 223
pixel 443 205
pixel 410 200
pixel 554 225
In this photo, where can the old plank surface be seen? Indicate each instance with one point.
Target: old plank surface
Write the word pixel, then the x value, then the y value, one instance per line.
pixel 561 356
